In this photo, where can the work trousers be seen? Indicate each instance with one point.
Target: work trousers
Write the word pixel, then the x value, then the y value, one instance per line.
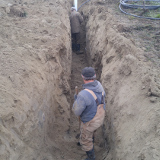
pixel 75 37
pixel 87 129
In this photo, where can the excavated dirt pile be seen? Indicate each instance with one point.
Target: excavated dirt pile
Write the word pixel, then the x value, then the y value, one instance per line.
pixel 35 66
pixel 132 85
pixel 38 73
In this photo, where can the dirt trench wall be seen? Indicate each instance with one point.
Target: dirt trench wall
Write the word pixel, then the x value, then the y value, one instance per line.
pixel 35 65
pixel 132 86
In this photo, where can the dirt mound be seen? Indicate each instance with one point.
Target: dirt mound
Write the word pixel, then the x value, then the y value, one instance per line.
pixel 132 84
pixel 35 65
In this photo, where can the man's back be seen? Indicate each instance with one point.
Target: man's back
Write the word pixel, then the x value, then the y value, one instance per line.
pixel 76 19
pixel 85 105
pixel 89 104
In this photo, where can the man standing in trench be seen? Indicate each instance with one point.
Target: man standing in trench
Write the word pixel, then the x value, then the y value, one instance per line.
pixel 75 20
pixel 89 105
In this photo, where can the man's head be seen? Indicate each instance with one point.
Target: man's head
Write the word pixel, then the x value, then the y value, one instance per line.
pixel 88 74
pixel 73 9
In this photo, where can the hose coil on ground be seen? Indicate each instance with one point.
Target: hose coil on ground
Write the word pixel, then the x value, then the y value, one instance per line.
pixel 128 5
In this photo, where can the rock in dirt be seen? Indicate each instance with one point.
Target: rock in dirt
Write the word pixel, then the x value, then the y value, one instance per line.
pixel 153 99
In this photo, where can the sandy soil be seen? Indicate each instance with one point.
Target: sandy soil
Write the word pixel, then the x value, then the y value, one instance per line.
pixel 130 79
pixel 38 74
pixel 35 65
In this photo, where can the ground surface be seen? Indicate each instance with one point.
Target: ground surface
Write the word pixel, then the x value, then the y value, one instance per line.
pixel 36 90
pixel 143 32
pixel 35 64
pixel 131 79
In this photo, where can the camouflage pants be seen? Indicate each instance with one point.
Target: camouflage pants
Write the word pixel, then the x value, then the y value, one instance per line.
pixel 87 129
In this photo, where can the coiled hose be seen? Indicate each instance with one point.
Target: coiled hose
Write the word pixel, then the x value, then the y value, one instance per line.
pixel 124 4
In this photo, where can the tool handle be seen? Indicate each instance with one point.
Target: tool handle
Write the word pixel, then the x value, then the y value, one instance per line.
pixel 76 90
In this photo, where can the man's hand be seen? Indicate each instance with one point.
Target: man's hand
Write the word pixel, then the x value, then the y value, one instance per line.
pixel 76 93
pixel 75 96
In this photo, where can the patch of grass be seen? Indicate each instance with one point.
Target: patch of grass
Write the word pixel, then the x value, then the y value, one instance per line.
pixel 152 3
pixel 131 17
pixel 152 13
pixel 148 48
pixel 145 13
pixel 158 15
pixel 146 3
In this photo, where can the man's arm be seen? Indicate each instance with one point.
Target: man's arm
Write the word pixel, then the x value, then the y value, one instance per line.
pixel 80 18
pixel 79 105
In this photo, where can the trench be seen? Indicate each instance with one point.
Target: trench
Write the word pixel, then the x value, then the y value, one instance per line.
pixel 107 138
pixel 79 61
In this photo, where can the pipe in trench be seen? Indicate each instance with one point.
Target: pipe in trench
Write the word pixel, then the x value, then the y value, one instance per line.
pixel 76 4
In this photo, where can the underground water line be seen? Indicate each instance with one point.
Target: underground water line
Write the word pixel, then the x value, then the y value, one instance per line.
pixel 75 4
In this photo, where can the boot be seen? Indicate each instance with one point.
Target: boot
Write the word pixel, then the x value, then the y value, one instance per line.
pixel 78 49
pixel 90 154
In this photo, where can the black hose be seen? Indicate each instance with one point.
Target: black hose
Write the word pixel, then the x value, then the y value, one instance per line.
pixel 83 4
pixel 123 3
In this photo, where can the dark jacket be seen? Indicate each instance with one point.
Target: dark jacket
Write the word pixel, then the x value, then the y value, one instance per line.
pixel 75 19
pixel 85 105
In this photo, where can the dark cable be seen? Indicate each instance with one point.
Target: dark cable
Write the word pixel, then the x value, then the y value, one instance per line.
pixel 123 3
pixel 83 4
